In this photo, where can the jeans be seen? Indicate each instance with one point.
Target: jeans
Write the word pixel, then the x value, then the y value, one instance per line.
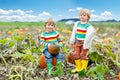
pixel 48 56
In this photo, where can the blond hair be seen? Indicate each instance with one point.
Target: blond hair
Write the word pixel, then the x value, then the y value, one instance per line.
pixel 49 21
pixel 85 11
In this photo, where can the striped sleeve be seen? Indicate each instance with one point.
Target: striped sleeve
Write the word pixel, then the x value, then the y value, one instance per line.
pixel 59 40
pixel 72 38
pixel 42 40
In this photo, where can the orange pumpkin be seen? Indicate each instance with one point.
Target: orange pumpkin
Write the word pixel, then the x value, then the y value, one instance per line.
pixel 9 32
pixel 70 58
pixel 54 48
pixel 118 34
pixel 119 76
pixel 106 40
pixel 42 62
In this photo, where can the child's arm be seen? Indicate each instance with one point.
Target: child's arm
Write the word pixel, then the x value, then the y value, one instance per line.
pixel 42 40
pixel 59 40
pixel 89 37
pixel 72 38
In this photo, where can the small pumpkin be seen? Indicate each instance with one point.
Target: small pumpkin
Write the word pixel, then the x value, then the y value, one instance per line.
pixel 42 62
pixel 54 48
pixel 70 58
pixel 9 32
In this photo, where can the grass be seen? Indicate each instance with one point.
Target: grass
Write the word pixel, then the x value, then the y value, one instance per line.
pixel 4 26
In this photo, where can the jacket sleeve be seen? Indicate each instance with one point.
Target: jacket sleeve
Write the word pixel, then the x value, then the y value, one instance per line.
pixel 59 40
pixel 89 37
pixel 42 40
pixel 72 38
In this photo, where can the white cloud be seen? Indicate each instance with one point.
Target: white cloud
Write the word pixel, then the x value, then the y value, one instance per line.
pixel 92 10
pixel 21 18
pixel 78 8
pixel 30 11
pixel 16 12
pixel 106 13
pixel 94 16
pixel 44 14
pixel 21 15
pixel 28 15
pixel 102 16
pixel 71 10
pixel 3 11
pixel 10 18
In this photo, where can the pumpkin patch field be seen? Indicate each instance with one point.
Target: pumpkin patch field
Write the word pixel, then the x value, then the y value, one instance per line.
pixel 20 52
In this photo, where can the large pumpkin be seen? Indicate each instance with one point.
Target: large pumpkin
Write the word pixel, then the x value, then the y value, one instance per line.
pixel 42 62
pixel 70 58
pixel 54 48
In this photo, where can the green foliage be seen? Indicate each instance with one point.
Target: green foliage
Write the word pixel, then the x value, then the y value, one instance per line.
pixel 57 70
pixel 104 59
pixel 97 73
pixel 37 50
pixel 17 55
pixel 11 44
pixel 95 56
pixel 27 53
pixel 3 44
pixel 82 73
pixel 65 50
pixel 17 25
pixel 26 56
pixel 18 38
pixel 3 41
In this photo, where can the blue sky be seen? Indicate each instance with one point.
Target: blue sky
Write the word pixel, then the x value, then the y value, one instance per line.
pixel 39 10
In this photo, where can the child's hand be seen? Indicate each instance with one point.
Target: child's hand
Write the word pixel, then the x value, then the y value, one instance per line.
pixel 53 48
pixel 48 45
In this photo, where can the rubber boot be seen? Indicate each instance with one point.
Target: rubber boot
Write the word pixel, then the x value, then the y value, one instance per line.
pixel 59 68
pixel 84 65
pixel 78 66
pixel 49 67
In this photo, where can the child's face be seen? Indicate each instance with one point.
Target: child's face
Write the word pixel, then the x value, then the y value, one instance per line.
pixel 49 27
pixel 83 17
